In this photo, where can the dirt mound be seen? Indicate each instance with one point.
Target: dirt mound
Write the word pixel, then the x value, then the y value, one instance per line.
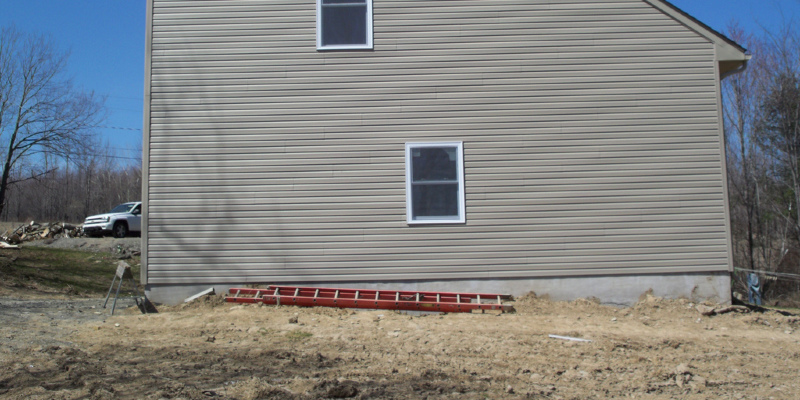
pixel 212 349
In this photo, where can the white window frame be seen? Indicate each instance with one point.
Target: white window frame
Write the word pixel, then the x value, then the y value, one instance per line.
pixel 367 46
pixel 461 218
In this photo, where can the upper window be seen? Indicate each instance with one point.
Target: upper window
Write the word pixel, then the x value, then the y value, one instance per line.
pixel 435 183
pixel 344 24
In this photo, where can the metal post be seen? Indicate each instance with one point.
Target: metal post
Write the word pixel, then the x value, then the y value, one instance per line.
pixel 109 291
pixel 114 305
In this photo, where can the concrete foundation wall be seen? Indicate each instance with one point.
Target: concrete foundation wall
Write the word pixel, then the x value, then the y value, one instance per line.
pixel 615 290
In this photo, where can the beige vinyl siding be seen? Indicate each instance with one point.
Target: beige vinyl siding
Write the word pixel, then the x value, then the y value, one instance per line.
pixel 590 127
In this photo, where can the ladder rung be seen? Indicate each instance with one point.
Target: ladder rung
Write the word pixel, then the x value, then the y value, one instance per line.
pixel 348 298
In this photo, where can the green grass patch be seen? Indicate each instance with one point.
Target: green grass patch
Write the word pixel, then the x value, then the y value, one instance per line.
pixel 59 271
pixel 298 335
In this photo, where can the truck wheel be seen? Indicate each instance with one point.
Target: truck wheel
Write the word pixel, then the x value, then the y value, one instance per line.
pixel 120 230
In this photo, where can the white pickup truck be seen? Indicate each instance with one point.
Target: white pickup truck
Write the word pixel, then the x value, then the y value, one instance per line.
pixel 120 221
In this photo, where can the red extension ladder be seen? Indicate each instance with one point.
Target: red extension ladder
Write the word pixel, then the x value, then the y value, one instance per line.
pixel 370 299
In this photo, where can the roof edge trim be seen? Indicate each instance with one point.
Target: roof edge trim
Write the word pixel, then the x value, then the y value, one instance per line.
pixel 728 50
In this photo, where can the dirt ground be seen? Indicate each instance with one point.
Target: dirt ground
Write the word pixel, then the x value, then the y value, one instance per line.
pixel 659 349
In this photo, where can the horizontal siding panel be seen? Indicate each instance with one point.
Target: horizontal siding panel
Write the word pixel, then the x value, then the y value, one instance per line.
pixel 488 143
pixel 543 172
pixel 453 263
pixel 353 244
pixel 525 183
pixel 382 259
pixel 385 65
pixel 509 108
pixel 278 272
pixel 639 200
pixel 520 56
pixel 255 278
pixel 221 219
pixel 270 246
pixel 590 130
pixel 377 154
pixel 510 224
pixel 498 103
pixel 568 234
pixel 195 169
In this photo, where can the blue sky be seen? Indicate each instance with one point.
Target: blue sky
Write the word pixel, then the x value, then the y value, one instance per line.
pixel 106 41
pixel 753 15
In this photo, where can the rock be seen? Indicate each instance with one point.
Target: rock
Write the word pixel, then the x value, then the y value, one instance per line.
pixel 509 389
pixel 293 319
pixel 682 369
pixel 705 310
pixel 698 382
pixel 339 390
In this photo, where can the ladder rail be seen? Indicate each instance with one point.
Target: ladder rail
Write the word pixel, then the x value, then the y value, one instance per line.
pixel 371 299
pixel 402 292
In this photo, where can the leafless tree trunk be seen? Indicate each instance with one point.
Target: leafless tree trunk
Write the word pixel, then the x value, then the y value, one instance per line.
pixel 40 112
pixel 740 110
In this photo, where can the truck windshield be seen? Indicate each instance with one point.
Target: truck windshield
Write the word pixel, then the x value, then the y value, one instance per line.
pixel 121 208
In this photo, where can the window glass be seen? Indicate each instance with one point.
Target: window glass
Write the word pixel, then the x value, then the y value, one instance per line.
pixel 344 24
pixel 435 201
pixel 121 208
pixel 435 183
pixel 434 163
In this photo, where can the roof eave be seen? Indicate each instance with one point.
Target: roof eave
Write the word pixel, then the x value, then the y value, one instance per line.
pixel 727 51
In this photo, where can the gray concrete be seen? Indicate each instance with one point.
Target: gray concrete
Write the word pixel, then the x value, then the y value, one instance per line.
pixel 622 290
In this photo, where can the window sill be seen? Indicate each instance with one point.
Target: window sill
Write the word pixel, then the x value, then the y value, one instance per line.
pixel 348 47
pixel 436 222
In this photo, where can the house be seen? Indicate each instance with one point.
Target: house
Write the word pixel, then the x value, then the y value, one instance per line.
pixel 566 147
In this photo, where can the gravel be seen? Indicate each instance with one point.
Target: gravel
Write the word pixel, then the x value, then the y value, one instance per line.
pixel 93 244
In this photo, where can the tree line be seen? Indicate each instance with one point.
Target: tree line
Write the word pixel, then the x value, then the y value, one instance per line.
pixel 75 187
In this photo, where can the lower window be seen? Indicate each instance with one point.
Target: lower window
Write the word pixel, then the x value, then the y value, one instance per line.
pixel 435 183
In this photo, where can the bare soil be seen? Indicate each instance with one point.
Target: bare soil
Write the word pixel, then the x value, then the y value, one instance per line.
pixel 209 349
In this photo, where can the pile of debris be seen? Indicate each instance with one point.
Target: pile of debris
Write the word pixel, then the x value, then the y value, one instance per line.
pixel 37 231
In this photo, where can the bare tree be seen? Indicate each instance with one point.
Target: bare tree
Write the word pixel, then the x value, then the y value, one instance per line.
pixel 40 110
pixel 777 128
pixel 740 109
pixel 762 130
